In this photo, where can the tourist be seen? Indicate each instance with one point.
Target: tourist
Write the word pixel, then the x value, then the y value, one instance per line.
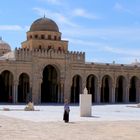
pixel 66 112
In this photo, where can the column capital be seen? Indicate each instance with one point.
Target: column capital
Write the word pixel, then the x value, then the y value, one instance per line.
pixel 113 85
pixel 16 82
pixel 62 80
pixel 99 84
pixel 40 79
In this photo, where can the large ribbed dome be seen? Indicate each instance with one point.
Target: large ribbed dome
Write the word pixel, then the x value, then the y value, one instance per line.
pixel 44 24
pixel 4 45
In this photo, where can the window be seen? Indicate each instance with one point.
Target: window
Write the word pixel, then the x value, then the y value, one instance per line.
pixel 49 36
pixel 36 36
pixel 55 38
pixel 49 47
pixel 42 37
pixel 40 47
pixel 59 49
pixel 30 36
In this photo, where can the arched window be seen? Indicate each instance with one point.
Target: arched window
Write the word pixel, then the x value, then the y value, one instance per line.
pixel 76 88
pixel 36 36
pixel 6 86
pixel 106 88
pixel 59 49
pixel 40 47
pixel 42 37
pixel 49 37
pixel 91 85
pixel 49 86
pixel 24 94
pixel 119 91
pixel 49 47
pixel 55 37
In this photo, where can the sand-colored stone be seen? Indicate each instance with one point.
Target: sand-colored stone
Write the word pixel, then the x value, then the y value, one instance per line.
pixel 29 107
pixel 15 129
pixel 107 82
pixel 138 105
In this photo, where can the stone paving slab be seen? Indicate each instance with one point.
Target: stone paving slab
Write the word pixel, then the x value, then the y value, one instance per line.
pixel 53 113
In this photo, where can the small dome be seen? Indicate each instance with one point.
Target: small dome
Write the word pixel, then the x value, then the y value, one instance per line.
pixel 4 45
pixel 44 24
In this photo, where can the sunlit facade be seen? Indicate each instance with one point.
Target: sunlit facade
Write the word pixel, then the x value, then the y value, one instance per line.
pixel 43 70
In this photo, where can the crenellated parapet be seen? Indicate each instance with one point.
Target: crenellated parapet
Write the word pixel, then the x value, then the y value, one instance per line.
pixel 25 54
pixel 76 56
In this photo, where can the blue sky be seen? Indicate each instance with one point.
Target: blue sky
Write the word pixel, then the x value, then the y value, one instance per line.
pixel 106 30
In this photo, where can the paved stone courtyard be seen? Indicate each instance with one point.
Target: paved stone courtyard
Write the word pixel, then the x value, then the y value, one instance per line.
pixel 53 112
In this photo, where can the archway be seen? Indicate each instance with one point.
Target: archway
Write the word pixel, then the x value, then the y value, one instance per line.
pixel 6 86
pixel 105 89
pixel 75 89
pixel 23 89
pixel 133 90
pixel 119 93
pixel 49 86
pixel 91 85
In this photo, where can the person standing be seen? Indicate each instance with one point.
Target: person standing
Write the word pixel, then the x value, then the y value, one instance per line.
pixel 66 112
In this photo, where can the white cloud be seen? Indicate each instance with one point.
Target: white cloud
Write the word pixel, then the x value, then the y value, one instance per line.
pixel 83 42
pixel 92 46
pixel 83 13
pixel 129 52
pixel 55 2
pixel 120 8
pixel 27 28
pixel 123 33
pixel 11 27
pixel 58 17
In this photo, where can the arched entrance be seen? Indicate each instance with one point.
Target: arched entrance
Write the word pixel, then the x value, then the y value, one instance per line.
pixel 91 85
pixel 105 89
pixel 49 86
pixel 133 90
pixel 6 86
pixel 119 93
pixel 75 89
pixel 23 89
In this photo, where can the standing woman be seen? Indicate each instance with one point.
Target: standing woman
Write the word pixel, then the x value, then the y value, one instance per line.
pixel 66 112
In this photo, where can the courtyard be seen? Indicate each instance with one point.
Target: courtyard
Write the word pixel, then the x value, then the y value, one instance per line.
pixel 54 112
pixel 119 122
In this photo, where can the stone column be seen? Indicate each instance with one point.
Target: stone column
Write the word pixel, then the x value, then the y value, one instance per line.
pixel 98 96
pixel 67 90
pixel 30 92
pixel 36 91
pixel 15 92
pixel 39 90
pixel 126 95
pixel 59 93
pixel 61 90
pixel 83 85
pixel 138 92
pixel 113 94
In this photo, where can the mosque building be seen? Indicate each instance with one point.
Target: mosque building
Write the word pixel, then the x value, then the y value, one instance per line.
pixel 43 70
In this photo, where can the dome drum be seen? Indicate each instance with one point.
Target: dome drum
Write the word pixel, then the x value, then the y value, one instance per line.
pixel 46 35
